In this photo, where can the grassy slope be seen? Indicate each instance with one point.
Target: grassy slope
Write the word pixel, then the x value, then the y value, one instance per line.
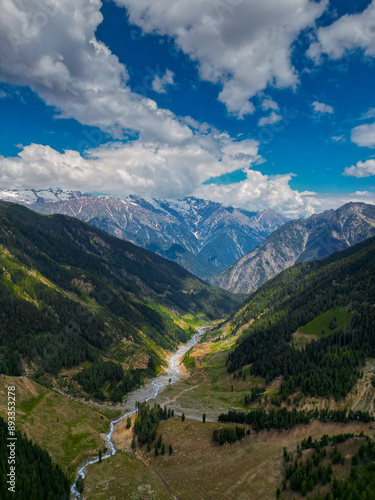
pixel 322 322
pixel 62 248
pixel 69 431
pixel 139 302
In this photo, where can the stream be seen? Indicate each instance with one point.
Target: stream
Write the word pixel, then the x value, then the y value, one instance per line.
pixel 149 391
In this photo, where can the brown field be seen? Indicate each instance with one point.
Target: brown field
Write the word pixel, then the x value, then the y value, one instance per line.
pixel 199 470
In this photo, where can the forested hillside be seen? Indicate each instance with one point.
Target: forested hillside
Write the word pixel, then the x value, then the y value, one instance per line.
pixel 71 293
pixel 340 286
pixel 37 477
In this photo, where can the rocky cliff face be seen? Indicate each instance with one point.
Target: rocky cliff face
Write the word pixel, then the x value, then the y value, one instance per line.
pixel 298 241
pixel 202 236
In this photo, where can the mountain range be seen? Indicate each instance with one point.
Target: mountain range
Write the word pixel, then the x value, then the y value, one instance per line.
pixel 298 241
pixel 201 235
pixel 31 196
pixel 71 293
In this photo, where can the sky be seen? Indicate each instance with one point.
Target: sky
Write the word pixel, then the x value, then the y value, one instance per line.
pixel 252 104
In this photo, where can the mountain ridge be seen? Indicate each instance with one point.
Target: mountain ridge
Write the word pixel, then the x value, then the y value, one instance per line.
pixel 71 293
pixel 31 196
pixel 209 235
pixel 297 241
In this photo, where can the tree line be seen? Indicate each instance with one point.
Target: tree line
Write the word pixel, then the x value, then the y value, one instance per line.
pixel 326 367
pixel 37 477
pixel 284 419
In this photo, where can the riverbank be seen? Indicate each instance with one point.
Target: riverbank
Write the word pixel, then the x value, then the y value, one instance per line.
pixel 149 391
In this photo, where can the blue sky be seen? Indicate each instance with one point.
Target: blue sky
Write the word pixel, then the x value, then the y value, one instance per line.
pixel 159 106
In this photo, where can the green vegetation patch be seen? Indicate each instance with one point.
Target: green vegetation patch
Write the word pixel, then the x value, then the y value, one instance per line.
pixel 69 431
pixel 327 322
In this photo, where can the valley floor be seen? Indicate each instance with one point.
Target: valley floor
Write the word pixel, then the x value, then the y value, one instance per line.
pixel 251 469
pixel 198 470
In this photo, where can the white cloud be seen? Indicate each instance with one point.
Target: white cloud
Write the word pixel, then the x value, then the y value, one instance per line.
pixel 52 48
pixel 349 32
pixel 259 191
pixel 244 46
pixel 268 120
pixel 146 168
pixel 149 169
pixel 364 135
pixel 159 84
pixel 361 169
pixel 338 138
pixel 328 201
pixel 370 113
pixel 321 108
pixel 2 94
pixel 269 104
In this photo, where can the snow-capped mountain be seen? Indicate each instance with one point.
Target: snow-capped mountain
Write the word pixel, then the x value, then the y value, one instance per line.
pixel 30 196
pixel 203 236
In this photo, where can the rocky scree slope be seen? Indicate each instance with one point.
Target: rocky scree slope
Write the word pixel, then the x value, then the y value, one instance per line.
pixel 298 241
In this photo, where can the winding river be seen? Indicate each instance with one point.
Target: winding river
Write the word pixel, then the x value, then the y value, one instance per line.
pixel 145 393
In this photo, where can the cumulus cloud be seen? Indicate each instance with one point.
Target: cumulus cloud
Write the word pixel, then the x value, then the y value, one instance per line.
pixel 335 200
pixel 146 168
pixel 269 104
pixel 361 169
pixel 321 108
pixel 51 47
pixel 242 46
pixel 349 32
pixel 151 169
pixel 160 84
pixel 268 120
pixel 364 135
pixel 259 191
